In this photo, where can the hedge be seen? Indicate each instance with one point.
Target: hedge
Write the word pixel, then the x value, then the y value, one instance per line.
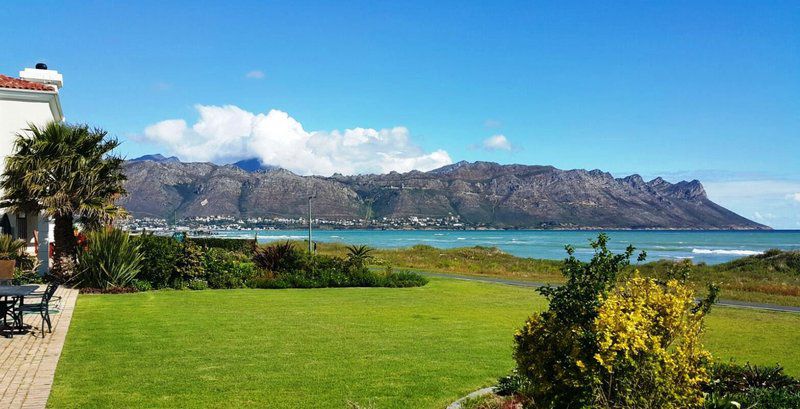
pixel 245 246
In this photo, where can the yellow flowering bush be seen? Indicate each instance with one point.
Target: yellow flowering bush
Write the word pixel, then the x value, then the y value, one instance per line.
pixel 649 353
pixel 601 344
pixel 553 347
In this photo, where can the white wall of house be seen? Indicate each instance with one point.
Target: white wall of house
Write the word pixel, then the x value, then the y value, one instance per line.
pixel 18 108
pixel 16 113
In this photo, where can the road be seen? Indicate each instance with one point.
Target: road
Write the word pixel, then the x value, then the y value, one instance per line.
pixel 531 284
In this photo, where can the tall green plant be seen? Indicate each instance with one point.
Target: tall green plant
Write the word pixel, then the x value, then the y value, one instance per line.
pixel 110 260
pixel 65 171
pixel 359 255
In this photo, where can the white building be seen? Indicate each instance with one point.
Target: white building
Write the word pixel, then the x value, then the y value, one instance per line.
pixel 31 98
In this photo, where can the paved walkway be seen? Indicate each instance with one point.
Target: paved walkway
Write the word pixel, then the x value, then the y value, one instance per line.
pixel 532 284
pixel 28 361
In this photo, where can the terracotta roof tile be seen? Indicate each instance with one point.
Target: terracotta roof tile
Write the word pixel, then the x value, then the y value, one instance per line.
pixel 17 83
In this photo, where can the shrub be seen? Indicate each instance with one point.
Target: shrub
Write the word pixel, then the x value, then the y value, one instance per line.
pixel 227 269
pixel 244 246
pixel 510 384
pixel 190 264
pixel 598 345
pixel 197 284
pixel 268 281
pixel 111 259
pixel 279 257
pixel 731 378
pixel 160 257
pixel 552 345
pixel 141 285
pixel 761 398
pixel 287 267
pixel 27 276
pixel 649 353
pixel 405 279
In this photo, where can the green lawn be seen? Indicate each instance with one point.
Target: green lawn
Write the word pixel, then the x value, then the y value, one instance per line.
pixel 379 347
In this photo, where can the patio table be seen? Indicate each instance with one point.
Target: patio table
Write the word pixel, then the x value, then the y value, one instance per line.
pixel 14 292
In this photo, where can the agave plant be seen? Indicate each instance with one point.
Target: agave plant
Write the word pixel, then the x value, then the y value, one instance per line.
pixel 111 259
pixel 359 255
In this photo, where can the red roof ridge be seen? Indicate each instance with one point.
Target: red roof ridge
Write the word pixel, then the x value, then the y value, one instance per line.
pixel 18 83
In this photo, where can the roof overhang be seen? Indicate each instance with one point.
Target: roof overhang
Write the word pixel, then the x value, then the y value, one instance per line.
pixel 25 95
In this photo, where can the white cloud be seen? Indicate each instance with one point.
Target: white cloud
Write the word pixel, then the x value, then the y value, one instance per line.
pixel 764 216
pixel 228 133
pixel 770 201
pixel 255 74
pixel 794 196
pixel 497 143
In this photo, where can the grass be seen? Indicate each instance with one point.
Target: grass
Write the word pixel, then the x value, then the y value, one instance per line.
pixel 773 278
pixel 377 347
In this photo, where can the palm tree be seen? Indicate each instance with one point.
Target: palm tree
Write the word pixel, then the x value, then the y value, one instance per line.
pixel 64 171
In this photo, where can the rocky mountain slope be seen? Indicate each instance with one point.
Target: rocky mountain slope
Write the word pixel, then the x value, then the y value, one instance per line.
pixel 482 193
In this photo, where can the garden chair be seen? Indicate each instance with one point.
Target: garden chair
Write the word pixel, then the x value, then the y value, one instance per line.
pixel 42 307
pixel 8 310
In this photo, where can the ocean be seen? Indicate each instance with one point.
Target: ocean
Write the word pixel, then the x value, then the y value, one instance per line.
pixel 711 247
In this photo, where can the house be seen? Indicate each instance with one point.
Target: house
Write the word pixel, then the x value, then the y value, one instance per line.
pixel 31 98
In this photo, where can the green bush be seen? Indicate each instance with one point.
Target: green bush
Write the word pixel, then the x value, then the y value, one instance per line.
pixel 190 264
pixel 27 276
pixel 141 285
pixel 510 384
pixel 751 387
pixel 279 257
pixel 760 398
pixel 244 246
pixel 111 259
pixel 160 257
pixel 732 378
pixel 197 284
pixel 405 279
pixel 285 266
pixel 227 269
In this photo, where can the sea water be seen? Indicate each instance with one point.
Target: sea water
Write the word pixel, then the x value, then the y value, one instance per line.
pixel 701 246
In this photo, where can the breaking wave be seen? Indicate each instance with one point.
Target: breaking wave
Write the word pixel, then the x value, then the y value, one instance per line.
pixel 281 237
pixel 724 251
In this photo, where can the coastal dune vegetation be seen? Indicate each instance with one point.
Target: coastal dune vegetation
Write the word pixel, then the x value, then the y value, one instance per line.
pixel 772 277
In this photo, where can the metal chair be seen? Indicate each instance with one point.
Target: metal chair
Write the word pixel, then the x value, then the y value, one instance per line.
pixel 42 307
pixel 8 310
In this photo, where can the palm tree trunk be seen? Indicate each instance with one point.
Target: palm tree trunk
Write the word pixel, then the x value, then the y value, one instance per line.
pixel 64 236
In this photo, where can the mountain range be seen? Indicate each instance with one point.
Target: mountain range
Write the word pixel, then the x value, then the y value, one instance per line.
pixel 481 193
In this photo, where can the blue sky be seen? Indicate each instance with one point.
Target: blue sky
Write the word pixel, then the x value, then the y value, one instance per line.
pixel 707 90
